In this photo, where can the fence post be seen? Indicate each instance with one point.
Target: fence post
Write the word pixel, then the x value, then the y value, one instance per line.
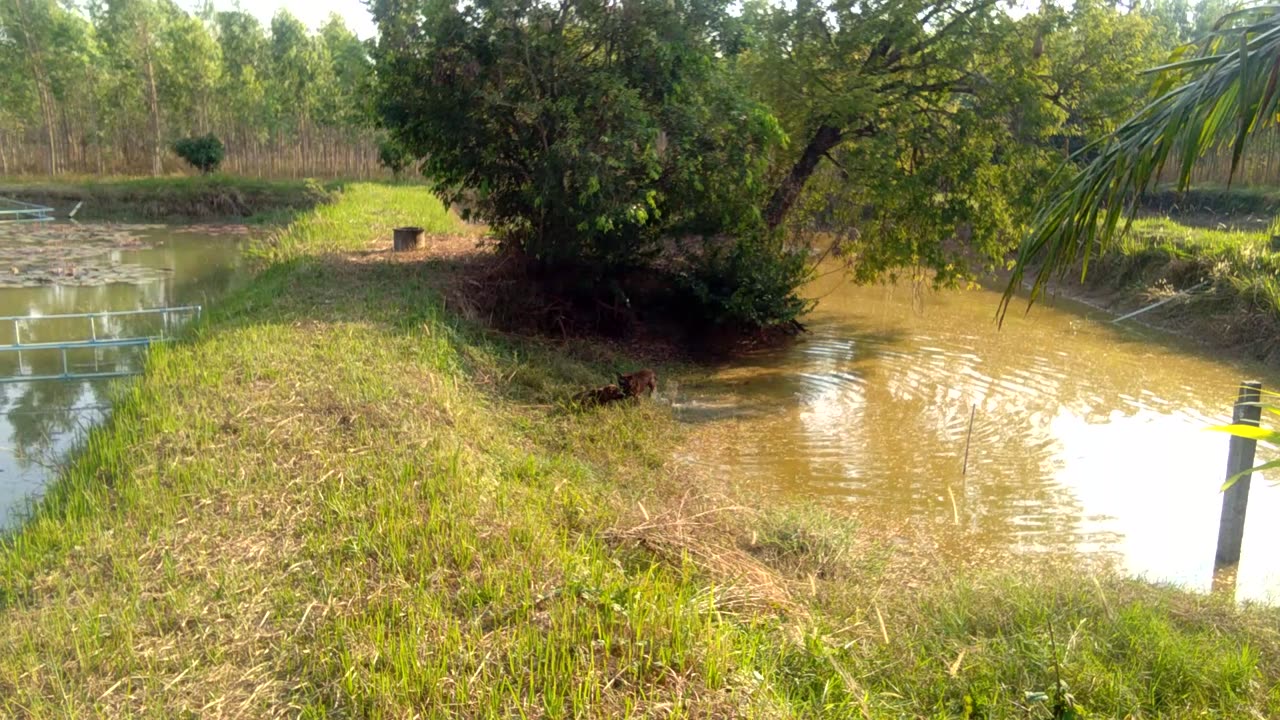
pixel 1240 454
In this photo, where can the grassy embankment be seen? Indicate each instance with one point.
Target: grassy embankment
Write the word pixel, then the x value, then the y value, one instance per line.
pixel 340 500
pixel 1220 200
pixel 1231 276
pixel 212 197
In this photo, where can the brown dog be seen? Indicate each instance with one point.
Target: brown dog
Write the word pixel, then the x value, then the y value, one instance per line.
pixel 630 385
pixel 639 382
pixel 599 396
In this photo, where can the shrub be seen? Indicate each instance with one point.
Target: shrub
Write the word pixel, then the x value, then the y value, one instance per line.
pixel 749 284
pixel 393 156
pixel 204 153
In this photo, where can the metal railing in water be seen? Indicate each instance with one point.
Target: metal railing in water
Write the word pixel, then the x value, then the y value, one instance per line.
pixel 94 323
pixel 17 211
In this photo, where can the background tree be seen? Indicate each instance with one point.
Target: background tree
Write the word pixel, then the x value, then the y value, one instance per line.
pixel 298 66
pixel 131 30
pixel 190 69
pixel 394 156
pixel 1221 92
pixel 348 100
pixel 78 96
pixel 29 27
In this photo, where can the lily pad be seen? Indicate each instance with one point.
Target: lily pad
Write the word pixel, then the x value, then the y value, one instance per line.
pixel 32 255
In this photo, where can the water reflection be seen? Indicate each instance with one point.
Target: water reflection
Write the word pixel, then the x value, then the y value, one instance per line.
pixel 1087 437
pixel 41 420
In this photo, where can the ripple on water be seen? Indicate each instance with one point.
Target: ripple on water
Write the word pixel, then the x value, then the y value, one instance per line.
pixel 1084 437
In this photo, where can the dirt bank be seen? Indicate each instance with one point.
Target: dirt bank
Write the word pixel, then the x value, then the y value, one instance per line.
pixel 181 198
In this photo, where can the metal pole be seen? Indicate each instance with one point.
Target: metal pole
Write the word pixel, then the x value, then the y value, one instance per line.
pixel 1240 454
pixel 1153 306
pixel 65 371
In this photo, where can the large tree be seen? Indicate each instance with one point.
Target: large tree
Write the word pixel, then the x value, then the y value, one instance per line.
pixel 921 129
pixel 585 130
pixel 914 126
pixel 839 72
pixel 596 137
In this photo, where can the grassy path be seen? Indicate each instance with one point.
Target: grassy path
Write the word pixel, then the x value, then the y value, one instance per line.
pixel 338 500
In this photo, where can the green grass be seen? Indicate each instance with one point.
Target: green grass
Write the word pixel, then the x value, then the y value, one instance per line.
pixel 212 197
pixel 340 500
pixel 1242 268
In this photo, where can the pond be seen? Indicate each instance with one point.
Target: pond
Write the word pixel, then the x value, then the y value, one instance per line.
pixel 1088 437
pixel 63 268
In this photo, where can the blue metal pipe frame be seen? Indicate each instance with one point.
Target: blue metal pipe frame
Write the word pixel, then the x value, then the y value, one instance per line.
pixel 94 342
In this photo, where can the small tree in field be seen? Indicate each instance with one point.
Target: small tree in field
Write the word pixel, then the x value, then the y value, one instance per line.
pixel 588 133
pixel 393 156
pixel 204 153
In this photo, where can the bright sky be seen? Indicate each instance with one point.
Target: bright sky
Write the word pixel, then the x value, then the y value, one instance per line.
pixel 312 13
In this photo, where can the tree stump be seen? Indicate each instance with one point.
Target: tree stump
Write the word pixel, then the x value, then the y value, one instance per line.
pixel 407 238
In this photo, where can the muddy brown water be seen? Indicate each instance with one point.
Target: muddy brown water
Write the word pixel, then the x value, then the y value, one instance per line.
pixel 57 269
pixel 1088 437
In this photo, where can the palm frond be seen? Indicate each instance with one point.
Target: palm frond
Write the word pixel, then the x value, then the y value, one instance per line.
pixel 1219 96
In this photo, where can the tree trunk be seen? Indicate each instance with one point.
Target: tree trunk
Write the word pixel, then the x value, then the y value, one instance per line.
pixel 69 156
pixel 42 87
pixel 824 139
pixel 94 135
pixel 153 100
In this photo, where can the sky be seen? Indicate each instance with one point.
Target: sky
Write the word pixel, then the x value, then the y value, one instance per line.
pixel 312 13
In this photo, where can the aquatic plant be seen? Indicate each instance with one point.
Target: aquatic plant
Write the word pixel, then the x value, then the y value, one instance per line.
pixel 66 254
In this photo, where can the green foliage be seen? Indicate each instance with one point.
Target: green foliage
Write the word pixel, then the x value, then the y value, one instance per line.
pixel 949 115
pixel 1215 94
pixel 642 135
pixel 394 156
pixel 749 284
pixel 204 153
pixel 931 109
pixel 1086 91
pixel 109 85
